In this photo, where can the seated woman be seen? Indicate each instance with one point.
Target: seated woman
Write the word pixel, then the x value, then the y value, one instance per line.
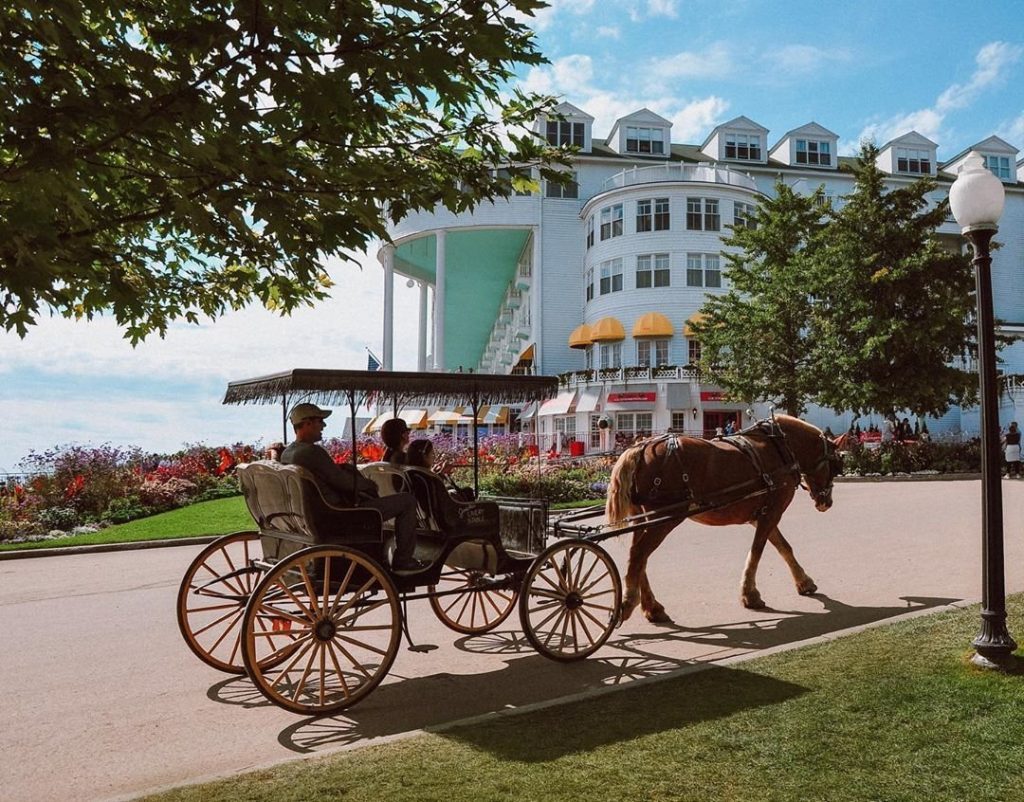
pixel 420 454
pixel 395 434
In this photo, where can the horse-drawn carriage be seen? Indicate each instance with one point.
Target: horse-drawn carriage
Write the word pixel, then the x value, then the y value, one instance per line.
pixel 307 606
pixel 306 603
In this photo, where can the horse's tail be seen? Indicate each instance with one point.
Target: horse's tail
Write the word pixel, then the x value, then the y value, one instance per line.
pixel 620 502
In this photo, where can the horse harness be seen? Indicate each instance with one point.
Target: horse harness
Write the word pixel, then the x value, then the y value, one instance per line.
pixel 765 482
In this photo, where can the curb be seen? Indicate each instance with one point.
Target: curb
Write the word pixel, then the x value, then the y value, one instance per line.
pixel 25 554
pixel 909 477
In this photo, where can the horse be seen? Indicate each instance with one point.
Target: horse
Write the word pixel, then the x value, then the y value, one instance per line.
pixel 750 477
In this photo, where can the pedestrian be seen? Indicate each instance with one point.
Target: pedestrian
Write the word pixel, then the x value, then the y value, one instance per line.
pixel 1011 451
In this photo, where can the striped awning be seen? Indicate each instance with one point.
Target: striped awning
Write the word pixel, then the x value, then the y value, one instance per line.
pixel 492 415
pixel 581 337
pixel 445 416
pixel 415 418
pixel 696 317
pixel 607 329
pixel 562 404
pixel 653 324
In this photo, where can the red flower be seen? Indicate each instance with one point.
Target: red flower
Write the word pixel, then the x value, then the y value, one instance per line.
pixel 74 487
pixel 226 461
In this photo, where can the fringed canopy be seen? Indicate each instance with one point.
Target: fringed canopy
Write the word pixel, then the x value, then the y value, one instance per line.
pixel 333 387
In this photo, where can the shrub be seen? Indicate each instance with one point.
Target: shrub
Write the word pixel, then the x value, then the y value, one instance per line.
pixel 122 510
pixel 168 494
pixel 63 518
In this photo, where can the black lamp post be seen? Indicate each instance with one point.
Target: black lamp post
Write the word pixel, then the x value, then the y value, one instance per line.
pixel 976 200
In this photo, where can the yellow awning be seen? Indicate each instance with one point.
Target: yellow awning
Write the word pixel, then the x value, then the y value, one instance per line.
pixel 416 418
pixel 696 317
pixel 486 415
pixel 607 329
pixel 446 416
pixel 653 324
pixel 580 337
pixel 527 355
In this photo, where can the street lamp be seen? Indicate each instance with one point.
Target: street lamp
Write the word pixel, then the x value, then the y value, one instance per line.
pixel 976 200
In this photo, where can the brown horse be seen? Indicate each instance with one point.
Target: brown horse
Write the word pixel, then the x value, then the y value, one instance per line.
pixel 750 477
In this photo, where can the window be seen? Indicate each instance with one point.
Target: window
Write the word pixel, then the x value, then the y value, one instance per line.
pixel 909 160
pixel 590 231
pixel 743 215
pixel 644 140
pixel 562 132
pixel 651 353
pixel 693 353
pixel 679 421
pixel 826 200
pixel 652 271
pixel 595 431
pixel 999 165
pixel 611 355
pixel 703 270
pixel 506 174
pixel 743 146
pixel 588 280
pixel 570 190
pixel 631 424
pixel 565 429
pixel 588 360
pixel 702 214
pixel 611 222
pixel 809 151
pixel 656 220
pixel 611 276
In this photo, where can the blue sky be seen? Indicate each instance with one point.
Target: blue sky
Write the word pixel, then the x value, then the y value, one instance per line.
pixel 953 71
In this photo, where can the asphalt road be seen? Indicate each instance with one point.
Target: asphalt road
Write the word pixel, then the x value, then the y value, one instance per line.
pixel 102 699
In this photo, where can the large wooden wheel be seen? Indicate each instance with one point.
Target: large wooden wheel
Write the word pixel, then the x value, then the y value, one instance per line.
pixel 212 598
pixel 343 621
pixel 570 600
pixel 473 602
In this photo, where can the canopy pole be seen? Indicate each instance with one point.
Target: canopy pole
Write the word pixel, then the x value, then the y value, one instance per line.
pixel 355 466
pixel 476 450
pixel 284 418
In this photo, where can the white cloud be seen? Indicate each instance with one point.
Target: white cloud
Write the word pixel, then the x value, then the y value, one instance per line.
pixel 663 8
pixel 692 122
pixel 713 62
pixel 993 61
pixel 608 31
pixel 802 59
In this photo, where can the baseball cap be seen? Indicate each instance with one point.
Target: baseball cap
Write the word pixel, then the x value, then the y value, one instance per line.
pixel 300 412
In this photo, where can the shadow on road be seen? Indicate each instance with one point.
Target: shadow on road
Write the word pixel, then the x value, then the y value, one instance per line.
pixel 404 704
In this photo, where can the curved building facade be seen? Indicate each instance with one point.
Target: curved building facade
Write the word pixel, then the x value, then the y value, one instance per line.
pixel 599 279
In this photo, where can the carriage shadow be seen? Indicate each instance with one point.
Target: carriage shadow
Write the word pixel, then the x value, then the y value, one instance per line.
pixel 407 704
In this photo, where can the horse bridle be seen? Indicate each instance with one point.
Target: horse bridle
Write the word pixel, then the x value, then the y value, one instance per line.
pixel 832 460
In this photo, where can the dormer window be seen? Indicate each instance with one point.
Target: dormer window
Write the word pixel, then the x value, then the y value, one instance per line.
pixel 743 146
pixel 564 133
pixel 999 165
pixel 813 152
pixel 644 140
pixel 912 160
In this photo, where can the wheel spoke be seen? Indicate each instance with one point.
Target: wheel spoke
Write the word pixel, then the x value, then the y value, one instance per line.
pixel 310 592
pixel 337 668
pixel 342 588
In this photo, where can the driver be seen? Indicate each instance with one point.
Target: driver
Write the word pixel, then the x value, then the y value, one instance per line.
pixel 338 483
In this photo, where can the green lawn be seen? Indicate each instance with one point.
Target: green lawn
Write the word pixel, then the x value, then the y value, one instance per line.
pixel 893 714
pixel 206 518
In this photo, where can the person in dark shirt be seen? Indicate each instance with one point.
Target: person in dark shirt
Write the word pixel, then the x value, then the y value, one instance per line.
pixel 345 486
pixel 395 434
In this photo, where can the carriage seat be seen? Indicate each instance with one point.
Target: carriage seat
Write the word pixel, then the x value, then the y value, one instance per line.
pixel 290 511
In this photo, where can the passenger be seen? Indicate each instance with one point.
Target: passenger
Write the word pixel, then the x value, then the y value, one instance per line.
pixel 340 483
pixel 395 434
pixel 420 454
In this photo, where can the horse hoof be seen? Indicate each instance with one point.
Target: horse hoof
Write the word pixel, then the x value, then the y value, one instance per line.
pixel 754 602
pixel 658 616
pixel 808 590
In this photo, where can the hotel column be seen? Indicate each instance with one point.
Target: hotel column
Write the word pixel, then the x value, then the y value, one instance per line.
pixel 439 301
pixel 389 307
pixel 421 352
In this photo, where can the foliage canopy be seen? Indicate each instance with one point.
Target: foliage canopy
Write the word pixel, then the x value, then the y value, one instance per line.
pixel 167 160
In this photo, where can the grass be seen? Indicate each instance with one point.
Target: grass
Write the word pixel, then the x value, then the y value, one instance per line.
pixel 895 713
pixel 217 517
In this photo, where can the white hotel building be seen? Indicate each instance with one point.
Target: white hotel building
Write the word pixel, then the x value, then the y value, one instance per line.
pixel 598 280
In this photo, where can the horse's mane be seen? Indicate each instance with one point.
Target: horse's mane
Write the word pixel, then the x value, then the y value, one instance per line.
pixel 620 485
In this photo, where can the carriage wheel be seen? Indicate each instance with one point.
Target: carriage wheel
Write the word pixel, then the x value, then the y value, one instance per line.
pixel 471 610
pixel 341 612
pixel 570 600
pixel 212 599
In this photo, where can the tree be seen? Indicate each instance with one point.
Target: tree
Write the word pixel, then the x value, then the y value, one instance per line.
pixel 893 306
pixel 166 160
pixel 754 338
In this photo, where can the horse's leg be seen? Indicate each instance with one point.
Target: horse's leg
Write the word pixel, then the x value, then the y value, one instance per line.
pixel 653 609
pixel 749 595
pixel 804 584
pixel 645 540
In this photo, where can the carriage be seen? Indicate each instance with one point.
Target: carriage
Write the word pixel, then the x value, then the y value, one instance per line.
pixel 306 603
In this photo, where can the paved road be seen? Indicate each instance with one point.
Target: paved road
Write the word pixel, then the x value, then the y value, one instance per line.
pixel 102 699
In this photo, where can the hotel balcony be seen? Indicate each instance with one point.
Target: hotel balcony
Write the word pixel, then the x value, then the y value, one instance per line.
pixel 580 378
pixel 703 173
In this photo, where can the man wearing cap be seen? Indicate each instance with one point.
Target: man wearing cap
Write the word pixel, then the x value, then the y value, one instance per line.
pixel 340 484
